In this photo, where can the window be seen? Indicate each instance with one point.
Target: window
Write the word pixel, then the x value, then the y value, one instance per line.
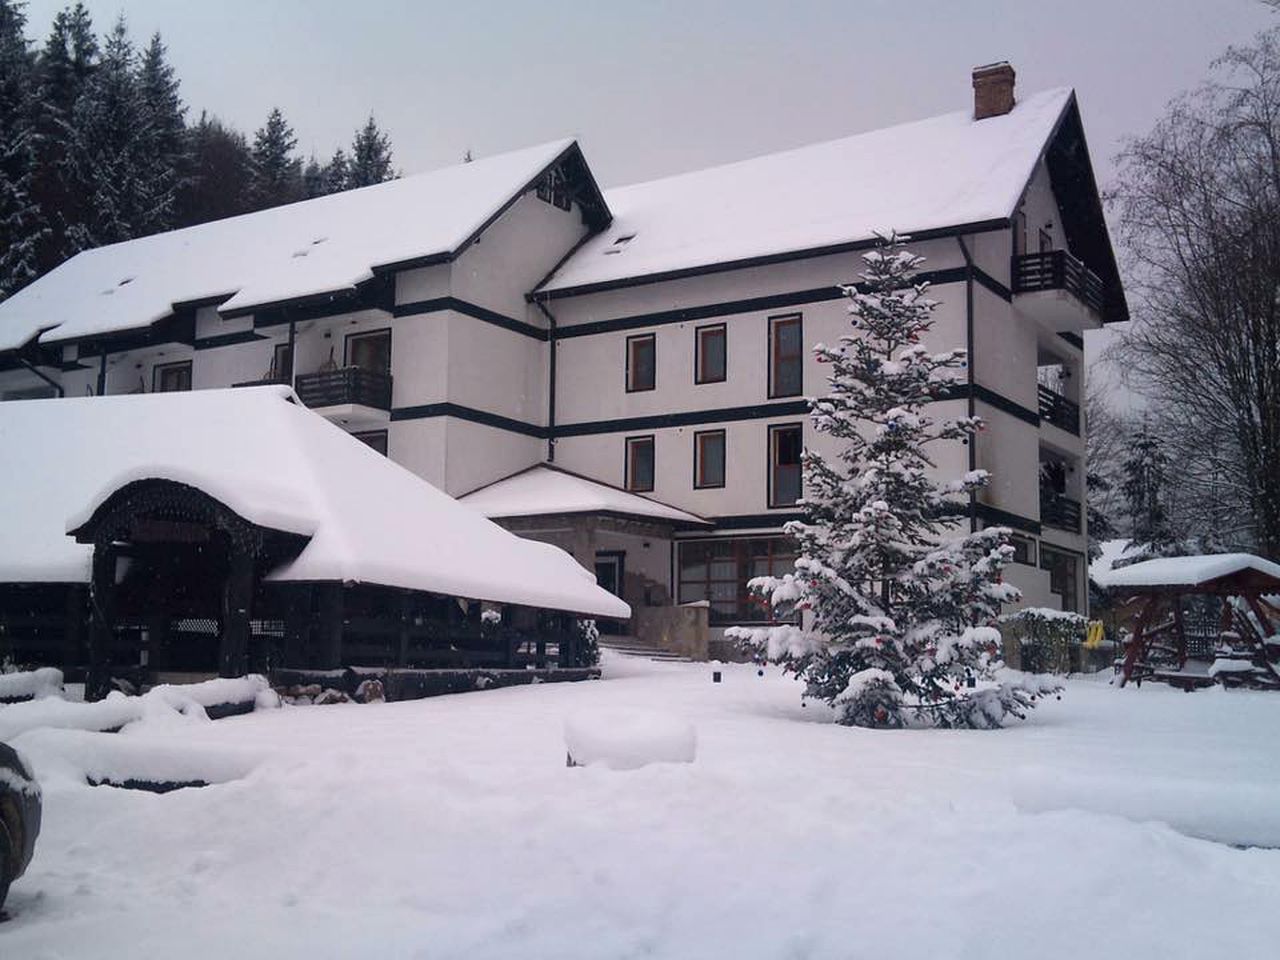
pixel 1024 549
pixel 1064 575
pixel 171 377
pixel 377 439
pixel 786 361
pixel 785 446
pixel 719 570
pixel 708 459
pixel 282 363
pixel 641 362
pixel 709 354
pixel 554 189
pixel 1019 233
pixel 639 467
pixel 1046 240
pixel 370 351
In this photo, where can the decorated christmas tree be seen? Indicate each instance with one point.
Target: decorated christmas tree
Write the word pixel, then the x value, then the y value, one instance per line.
pixel 892 607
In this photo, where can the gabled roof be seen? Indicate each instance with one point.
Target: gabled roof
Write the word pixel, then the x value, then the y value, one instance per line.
pixel 940 174
pixel 278 465
pixel 1194 571
pixel 328 245
pixel 542 490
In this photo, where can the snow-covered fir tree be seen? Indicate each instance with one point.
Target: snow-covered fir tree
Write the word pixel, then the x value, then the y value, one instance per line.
pixel 21 224
pixel 276 171
pixel 1145 486
pixel 164 133
pixel 892 609
pixel 370 157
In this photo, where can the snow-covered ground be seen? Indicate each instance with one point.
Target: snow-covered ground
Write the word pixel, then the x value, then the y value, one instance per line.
pixel 451 827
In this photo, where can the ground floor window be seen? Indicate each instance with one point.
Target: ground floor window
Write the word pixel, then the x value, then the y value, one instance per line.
pixel 719 570
pixel 1064 575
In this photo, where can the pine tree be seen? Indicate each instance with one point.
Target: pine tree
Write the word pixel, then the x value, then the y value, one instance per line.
pixel 107 157
pixel 66 63
pixel 217 180
pixel 163 132
pixel 20 218
pixel 1144 485
pixel 370 157
pixel 276 172
pixel 895 609
pixel 337 173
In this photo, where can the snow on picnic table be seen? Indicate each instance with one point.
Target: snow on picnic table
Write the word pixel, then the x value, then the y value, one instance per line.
pixel 451 827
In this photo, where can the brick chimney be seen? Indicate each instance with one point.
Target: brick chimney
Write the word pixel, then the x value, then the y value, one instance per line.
pixel 992 90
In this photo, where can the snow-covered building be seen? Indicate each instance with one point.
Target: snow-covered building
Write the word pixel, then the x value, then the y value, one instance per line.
pixel 625 372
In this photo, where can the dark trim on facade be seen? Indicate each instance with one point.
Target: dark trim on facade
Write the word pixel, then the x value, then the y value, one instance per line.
pixel 685 418
pixel 428 410
pixel 228 339
pixel 981 226
pixel 994 516
pixel 991 283
pixel 752 521
pixel 439 304
pixel 1074 339
pixel 965 391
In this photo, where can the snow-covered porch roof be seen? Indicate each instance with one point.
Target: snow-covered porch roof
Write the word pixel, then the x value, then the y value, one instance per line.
pixel 544 490
pixel 1201 573
pixel 278 465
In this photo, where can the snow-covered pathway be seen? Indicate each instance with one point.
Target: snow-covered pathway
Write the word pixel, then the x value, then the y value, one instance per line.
pixel 451 827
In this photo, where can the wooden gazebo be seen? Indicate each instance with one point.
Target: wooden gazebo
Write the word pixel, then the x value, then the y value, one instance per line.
pixel 1247 641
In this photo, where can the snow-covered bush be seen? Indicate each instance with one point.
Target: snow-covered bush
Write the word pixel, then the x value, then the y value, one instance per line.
pixel 1046 637
pixel 588 643
pixel 892 609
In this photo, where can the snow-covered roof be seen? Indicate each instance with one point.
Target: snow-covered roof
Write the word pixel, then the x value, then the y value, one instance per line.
pixel 276 464
pixel 942 172
pixel 1188 571
pixel 321 246
pixel 542 490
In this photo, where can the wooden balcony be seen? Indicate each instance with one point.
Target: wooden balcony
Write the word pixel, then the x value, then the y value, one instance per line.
pixel 1059 411
pixel 1059 511
pixel 346 386
pixel 1057 270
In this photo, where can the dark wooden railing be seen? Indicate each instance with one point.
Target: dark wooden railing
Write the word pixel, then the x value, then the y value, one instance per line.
pixel 330 388
pixel 1058 410
pixel 265 381
pixel 1059 511
pixel 1058 270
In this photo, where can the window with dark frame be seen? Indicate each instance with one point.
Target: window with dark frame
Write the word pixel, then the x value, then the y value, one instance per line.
pixel 710 354
pixel 718 571
pixel 708 459
pixel 377 439
pixel 171 377
pixel 641 362
pixel 639 465
pixel 1046 241
pixel 282 363
pixel 786 356
pixel 370 351
pixel 1024 549
pixel 786 444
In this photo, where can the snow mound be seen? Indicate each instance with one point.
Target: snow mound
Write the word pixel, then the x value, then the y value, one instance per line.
pixel 32 684
pixel 628 739
pixel 1233 812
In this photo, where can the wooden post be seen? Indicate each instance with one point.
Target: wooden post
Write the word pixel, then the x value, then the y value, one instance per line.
pixel 402 647
pixel 102 587
pixel 73 627
pixel 1181 630
pixel 330 632
pixel 297 612
pixel 1135 644
pixel 237 596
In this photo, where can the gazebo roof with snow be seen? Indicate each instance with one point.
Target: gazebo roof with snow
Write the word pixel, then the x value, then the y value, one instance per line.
pixel 278 465
pixel 544 490
pixel 1220 573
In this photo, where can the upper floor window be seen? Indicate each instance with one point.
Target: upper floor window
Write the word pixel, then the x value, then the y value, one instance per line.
pixel 786 356
pixel 370 351
pixel 282 362
pixel 785 446
pixel 1046 240
pixel 641 362
pixel 709 354
pixel 639 466
pixel 708 459
pixel 171 377
pixel 554 189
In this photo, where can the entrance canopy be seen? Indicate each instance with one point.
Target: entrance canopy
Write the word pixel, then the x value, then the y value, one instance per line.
pixel 278 466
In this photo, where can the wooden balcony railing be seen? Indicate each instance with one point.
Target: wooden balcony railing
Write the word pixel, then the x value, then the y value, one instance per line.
pixel 1058 410
pixel 1059 511
pixel 1058 270
pixel 331 388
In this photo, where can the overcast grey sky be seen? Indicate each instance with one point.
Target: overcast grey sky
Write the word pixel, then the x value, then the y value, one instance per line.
pixel 652 88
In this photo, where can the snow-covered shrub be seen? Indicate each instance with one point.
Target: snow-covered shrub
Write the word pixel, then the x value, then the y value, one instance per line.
pixel 588 643
pixel 892 609
pixel 1046 637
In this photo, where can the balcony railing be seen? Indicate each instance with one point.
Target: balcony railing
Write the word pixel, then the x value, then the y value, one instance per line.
pixel 355 385
pixel 1059 511
pixel 1058 270
pixel 1058 410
